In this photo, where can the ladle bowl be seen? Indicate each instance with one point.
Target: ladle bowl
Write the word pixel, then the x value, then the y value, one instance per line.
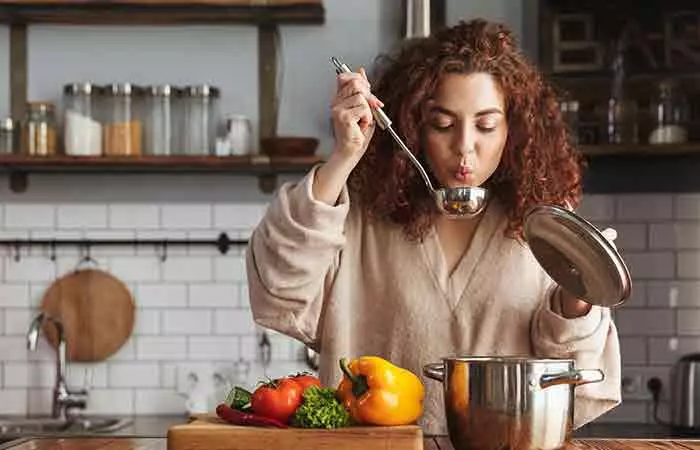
pixel 461 202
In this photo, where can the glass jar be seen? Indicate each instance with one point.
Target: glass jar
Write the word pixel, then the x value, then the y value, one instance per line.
pixel 9 136
pixel 122 124
pixel 82 131
pixel 161 119
pixel 622 126
pixel 39 129
pixel 200 119
pixel 569 111
pixel 669 110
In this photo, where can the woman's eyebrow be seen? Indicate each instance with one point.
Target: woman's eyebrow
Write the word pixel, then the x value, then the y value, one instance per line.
pixel 442 110
pixel 448 112
pixel 488 111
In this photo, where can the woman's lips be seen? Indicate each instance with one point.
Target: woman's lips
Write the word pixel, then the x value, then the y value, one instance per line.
pixel 463 174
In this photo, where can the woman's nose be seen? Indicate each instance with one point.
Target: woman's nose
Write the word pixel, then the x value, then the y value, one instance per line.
pixel 466 141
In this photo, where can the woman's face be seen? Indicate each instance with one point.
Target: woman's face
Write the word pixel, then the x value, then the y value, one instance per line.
pixel 466 129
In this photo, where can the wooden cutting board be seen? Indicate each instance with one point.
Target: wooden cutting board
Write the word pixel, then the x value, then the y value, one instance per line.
pixel 96 310
pixel 211 433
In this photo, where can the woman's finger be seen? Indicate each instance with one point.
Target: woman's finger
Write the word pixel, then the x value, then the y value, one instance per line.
pixel 346 77
pixel 355 110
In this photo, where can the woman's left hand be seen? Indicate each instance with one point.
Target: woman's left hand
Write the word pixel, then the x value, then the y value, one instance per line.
pixel 572 307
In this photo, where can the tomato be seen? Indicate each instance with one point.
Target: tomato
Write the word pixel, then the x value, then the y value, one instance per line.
pixel 278 399
pixel 306 380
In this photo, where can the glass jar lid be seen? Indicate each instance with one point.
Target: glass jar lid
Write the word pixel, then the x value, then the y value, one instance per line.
pixel 40 107
pixel 123 89
pixel 85 88
pixel 163 90
pixel 202 90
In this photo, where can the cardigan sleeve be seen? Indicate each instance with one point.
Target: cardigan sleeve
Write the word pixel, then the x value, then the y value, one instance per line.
pixel 292 257
pixel 592 341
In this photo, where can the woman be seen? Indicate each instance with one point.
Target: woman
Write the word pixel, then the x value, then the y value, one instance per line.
pixel 356 260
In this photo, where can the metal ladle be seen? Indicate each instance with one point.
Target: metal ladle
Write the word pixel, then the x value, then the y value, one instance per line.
pixel 460 202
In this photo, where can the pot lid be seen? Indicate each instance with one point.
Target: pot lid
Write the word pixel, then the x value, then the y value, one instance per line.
pixel 577 256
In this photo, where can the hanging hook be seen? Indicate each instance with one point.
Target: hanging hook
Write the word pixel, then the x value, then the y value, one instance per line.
pixel 52 255
pixel 18 252
pixel 87 258
pixel 164 251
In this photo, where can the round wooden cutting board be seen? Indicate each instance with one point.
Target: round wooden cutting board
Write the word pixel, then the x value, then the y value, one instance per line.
pixel 97 312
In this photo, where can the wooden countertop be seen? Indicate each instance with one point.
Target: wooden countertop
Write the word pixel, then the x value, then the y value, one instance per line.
pixel 431 443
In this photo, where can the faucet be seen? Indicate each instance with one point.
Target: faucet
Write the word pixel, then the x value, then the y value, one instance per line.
pixel 64 398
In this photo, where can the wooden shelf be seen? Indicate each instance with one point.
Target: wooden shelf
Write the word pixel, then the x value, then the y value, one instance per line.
pixel 641 149
pixel 264 167
pixel 141 12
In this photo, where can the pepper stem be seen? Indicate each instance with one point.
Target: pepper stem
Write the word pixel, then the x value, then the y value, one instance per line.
pixel 359 382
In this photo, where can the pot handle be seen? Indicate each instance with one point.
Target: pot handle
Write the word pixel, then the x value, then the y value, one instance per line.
pixel 575 377
pixel 436 371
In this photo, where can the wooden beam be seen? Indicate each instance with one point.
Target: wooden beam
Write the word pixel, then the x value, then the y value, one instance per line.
pixel 267 80
pixel 18 70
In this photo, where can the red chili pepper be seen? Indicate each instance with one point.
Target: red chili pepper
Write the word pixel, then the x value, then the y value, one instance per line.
pixel 235 417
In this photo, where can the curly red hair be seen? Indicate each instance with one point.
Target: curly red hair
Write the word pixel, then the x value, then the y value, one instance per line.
pixel 539 162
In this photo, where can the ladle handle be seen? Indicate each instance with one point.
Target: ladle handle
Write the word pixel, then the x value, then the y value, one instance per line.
pixel 385 124
pixel 413 159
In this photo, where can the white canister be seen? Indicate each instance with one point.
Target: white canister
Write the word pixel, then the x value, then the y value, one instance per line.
pixel 239 134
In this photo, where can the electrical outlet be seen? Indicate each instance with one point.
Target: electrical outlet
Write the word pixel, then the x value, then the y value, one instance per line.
pixel 191 375
pixel 636 379
pixel 632 386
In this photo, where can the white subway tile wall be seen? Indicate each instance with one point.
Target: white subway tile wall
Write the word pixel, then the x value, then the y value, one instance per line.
pixel 659 237
pixel 191 308
pixel 193 312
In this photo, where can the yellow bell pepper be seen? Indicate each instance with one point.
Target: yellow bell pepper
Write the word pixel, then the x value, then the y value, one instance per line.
pixel 376 392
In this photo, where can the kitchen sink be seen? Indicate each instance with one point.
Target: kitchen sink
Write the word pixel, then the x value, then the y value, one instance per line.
pixel 25 426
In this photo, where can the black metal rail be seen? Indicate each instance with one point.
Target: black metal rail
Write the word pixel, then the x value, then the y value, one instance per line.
pixel 223 243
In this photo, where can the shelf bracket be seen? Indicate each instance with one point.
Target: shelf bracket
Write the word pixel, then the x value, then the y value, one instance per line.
pixel 267 183
pixel 18 180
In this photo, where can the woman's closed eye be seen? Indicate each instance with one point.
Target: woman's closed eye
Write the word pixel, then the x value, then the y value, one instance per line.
pixel 441 125
pixel 487 126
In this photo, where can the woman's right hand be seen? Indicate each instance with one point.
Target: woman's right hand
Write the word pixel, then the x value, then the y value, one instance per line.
pixel 353 125
pixel 351 112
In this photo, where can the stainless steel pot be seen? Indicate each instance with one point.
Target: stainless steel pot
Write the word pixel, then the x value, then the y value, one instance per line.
pixel 509 402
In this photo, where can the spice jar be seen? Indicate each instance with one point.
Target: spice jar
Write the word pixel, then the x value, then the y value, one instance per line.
pixel 122 125
pixel 161 120
pixel 39 129
pixel 200 116
pixel 669 110
pixel 82 131
pixel 9 136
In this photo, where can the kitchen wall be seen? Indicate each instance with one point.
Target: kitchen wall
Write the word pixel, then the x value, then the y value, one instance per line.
pixel 192 309
pixel 659 237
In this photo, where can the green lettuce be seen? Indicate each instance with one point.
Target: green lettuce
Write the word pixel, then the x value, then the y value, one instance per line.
pixel 321 409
